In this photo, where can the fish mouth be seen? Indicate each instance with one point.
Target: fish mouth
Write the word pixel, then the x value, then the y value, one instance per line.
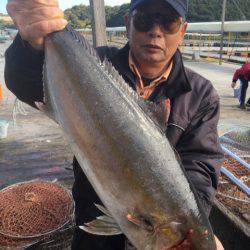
pixel 166 236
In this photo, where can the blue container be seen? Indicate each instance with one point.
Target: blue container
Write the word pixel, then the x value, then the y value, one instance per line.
pixel 3 129
pixel 237 93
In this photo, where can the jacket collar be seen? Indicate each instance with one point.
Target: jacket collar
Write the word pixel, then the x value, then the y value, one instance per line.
pixel 176 84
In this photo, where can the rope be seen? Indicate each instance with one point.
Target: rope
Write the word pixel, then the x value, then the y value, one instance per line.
pixel 17 109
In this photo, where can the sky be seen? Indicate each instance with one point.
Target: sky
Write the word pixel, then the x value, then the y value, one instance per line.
pixel 64 4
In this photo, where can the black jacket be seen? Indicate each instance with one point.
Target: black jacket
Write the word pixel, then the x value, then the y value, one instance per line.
pixel 191 129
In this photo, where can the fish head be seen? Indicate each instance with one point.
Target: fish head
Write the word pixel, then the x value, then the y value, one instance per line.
pixel 170 233
pixel 157 232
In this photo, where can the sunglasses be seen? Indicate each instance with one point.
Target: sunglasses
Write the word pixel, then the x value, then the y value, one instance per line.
pixel 144 22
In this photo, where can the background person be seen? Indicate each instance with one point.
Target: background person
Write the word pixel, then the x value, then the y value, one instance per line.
pixel 242 74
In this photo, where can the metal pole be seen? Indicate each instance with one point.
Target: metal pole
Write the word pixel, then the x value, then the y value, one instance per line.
pixel 98 23
pixel 237 158
pixel 200 46
pixel 222 29
pixel 235 180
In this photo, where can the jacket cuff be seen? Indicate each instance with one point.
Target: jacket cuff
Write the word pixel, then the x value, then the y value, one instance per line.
pixel 23 48
pixel 23 71
pixel 31 49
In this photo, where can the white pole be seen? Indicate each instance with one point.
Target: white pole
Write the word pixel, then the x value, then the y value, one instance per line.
pixel 222 29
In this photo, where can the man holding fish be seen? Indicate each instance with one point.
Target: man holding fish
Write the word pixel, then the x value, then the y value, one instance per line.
pixel 151 64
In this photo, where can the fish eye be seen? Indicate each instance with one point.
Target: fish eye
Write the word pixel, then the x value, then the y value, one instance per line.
pixel 147 224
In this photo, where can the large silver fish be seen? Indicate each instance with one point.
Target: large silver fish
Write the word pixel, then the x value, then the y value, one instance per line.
pixel 121 149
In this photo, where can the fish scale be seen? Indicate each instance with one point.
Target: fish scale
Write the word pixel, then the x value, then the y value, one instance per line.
pixel 121 148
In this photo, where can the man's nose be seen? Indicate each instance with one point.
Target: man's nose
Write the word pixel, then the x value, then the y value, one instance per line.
pixel 156 31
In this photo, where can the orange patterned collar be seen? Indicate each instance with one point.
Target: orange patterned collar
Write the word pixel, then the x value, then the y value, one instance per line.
pixel 142 90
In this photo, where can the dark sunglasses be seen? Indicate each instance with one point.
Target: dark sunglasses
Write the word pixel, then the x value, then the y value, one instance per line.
pixel 144 22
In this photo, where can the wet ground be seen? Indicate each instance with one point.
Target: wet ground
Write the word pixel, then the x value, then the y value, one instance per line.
pixel 221 78
pixel 35 146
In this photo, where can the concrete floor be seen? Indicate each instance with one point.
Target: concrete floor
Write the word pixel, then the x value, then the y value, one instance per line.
pixel 221 78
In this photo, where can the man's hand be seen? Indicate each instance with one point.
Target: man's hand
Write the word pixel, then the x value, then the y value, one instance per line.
pixel 35 19
pixel 218 244
pixel 233 84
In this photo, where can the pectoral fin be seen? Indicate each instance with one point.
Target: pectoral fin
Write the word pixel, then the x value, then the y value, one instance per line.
pixel 102 225
pixel 103 209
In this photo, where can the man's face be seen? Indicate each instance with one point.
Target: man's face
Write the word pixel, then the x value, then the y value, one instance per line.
pixel 158 44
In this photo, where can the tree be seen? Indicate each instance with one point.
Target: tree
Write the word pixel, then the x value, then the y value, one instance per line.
pixel 199 11
pixel 79 16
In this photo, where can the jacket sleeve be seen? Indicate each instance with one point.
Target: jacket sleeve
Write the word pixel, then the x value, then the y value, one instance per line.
pixel 237 74
pixel 23 71
pixel 201 154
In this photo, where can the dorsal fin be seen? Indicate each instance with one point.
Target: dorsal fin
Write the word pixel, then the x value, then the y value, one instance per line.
pixel 159 112
pixel 79 38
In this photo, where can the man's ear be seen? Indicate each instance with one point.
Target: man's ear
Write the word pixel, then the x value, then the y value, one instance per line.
pixel 127 23
pixel 184 29
pixel 183 32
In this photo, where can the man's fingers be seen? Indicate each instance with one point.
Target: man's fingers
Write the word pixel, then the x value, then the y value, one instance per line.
pixel 19 5
pixel 43 28
pixel 43 2
pixel 218 244
pixel 15 6
pixel 35 19
pixel 26 12
pixel 39 14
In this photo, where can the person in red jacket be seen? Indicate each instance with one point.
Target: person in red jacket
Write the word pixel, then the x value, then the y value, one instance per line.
pixel 242 74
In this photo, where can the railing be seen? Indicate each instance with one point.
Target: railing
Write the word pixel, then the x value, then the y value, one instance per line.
pixel 236 48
